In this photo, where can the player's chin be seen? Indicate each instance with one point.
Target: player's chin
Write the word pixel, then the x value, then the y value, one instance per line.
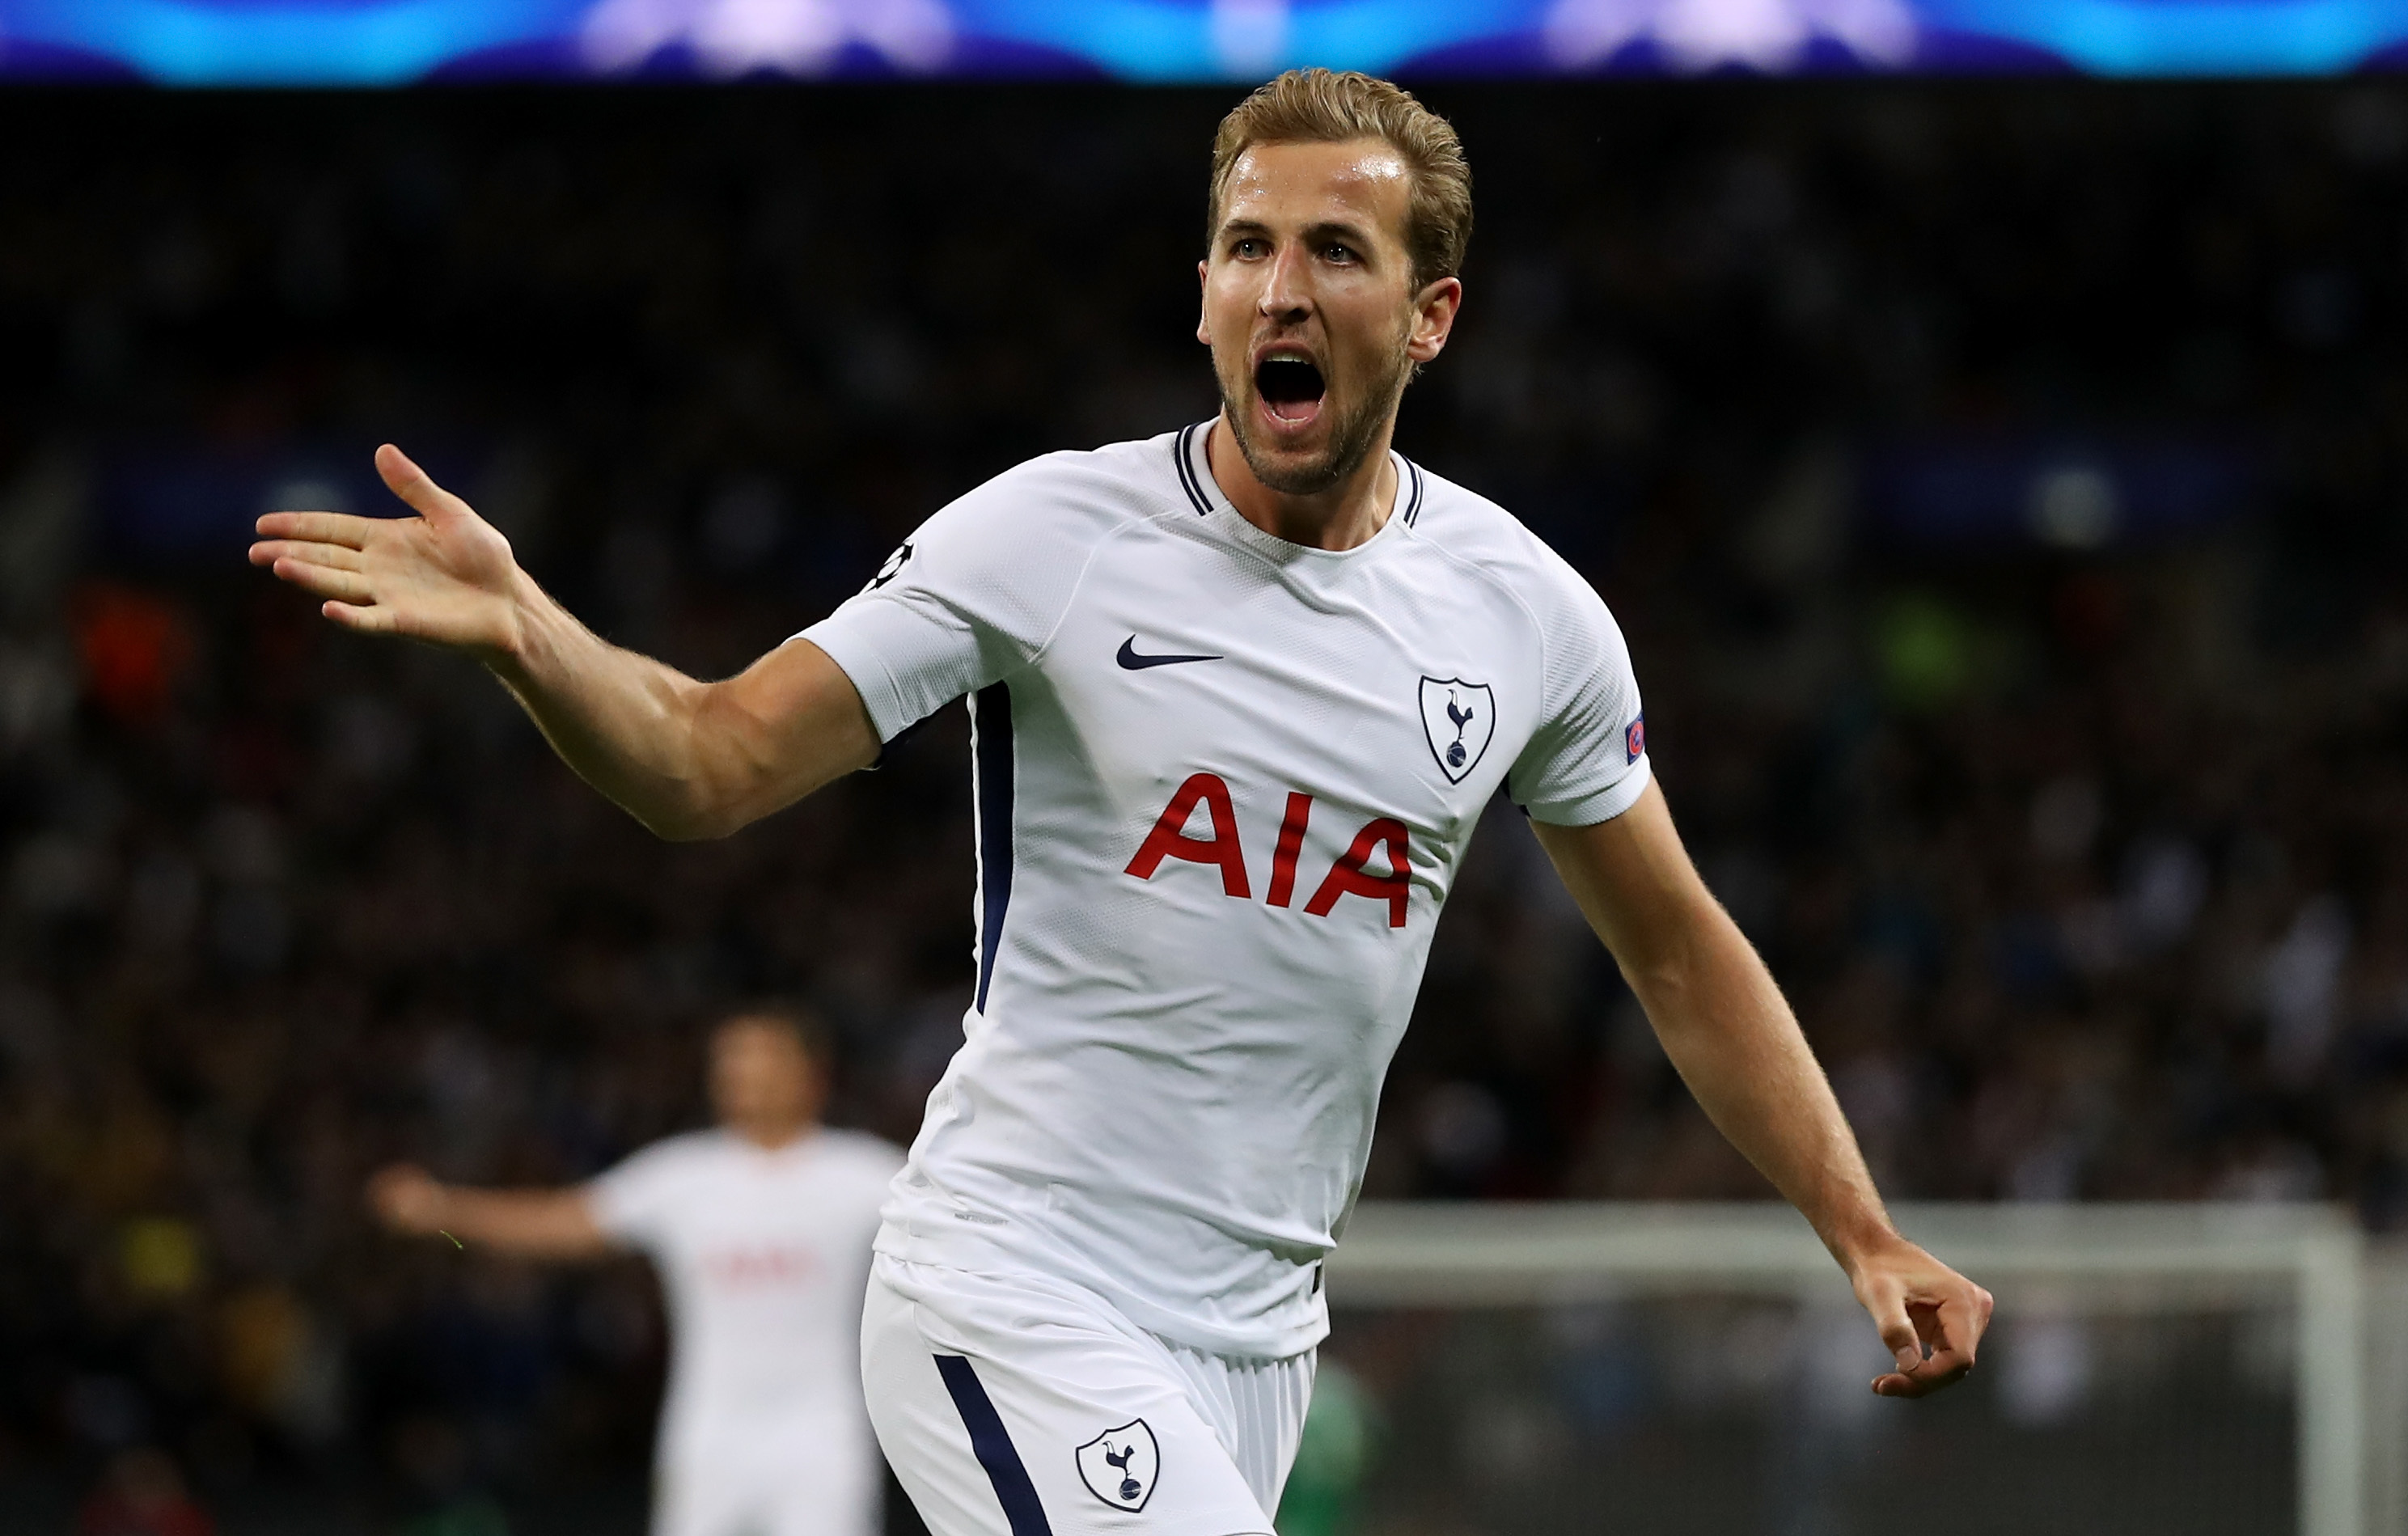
pixel 1295 471
pixel 1298 428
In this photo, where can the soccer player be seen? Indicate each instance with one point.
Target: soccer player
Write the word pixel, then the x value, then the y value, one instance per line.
pixel 761 1232
pixel 1239 693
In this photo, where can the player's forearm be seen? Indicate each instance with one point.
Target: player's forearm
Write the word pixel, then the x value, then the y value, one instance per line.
pixel 1734 1041
pixel 636 730
pixel 525 1223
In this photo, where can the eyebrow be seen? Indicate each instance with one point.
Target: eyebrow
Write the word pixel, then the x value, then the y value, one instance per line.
pixel 1326 229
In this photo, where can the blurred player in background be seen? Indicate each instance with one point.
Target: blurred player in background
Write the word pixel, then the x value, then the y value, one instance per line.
pixel 1239 694
pixel 761 1232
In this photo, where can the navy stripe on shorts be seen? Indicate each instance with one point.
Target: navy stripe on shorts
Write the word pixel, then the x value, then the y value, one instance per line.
pixel 1012 1488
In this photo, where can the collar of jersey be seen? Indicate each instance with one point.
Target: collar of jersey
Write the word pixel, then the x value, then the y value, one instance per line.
pixel 1196 478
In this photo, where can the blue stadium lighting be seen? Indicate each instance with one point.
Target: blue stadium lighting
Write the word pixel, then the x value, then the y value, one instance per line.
pixel 2229 37
pixel 1245 39
pixel 328 42
pixel 391 42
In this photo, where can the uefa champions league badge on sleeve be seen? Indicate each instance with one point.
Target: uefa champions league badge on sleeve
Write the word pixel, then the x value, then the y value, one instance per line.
pixel 1634 740
pixel 892 568
pixel 1119 1466
pixel 1459 718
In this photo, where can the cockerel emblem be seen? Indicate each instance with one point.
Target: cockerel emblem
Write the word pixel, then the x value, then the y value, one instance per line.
pixel 1459 718
pixel 1119 1466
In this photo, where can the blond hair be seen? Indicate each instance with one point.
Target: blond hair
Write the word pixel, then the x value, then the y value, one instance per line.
pixel 1330 107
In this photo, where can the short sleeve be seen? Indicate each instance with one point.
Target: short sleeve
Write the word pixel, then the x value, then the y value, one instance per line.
pixel 1587 761
pixel 635 1201
pixel 970 597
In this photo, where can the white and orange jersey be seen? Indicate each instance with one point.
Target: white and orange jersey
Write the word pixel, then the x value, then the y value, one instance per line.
pixel 1224 783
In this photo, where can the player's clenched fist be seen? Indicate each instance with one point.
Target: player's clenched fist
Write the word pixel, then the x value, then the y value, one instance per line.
pixel 445 576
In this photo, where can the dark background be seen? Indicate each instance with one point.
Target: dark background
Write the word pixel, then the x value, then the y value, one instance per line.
pixel 2000 485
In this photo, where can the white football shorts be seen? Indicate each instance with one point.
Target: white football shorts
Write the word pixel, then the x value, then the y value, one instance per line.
pixel 1016 1405
pixel 755 1484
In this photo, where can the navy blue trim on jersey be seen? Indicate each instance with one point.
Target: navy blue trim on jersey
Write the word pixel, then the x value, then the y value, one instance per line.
pixel 1413 506
pixel 898 740
pixel 1187 477
pixel 990 756
pixel 996 1453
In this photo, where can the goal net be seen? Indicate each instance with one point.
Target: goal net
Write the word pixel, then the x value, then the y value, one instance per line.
pixel 1540 1368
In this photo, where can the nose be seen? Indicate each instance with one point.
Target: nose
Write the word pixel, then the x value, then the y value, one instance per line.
pixel 1287 290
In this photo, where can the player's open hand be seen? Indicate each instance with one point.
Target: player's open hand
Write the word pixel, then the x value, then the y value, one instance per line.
pixel 445 576
pixel 407 1199
pixel 1930 1317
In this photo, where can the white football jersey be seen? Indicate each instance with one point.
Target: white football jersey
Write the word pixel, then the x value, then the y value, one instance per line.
pixel 1224 783
pixel 763 1257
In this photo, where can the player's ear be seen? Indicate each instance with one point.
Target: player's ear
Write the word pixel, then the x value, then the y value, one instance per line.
pixel 1434 311
pixel 1203 309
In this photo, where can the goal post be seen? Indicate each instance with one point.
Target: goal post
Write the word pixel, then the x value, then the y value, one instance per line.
pixel 2306 1269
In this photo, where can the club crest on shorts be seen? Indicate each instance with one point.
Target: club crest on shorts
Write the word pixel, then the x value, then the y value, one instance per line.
pixel 1459 718
pixel 1119 1466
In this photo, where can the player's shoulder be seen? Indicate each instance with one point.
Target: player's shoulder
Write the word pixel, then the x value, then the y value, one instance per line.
pixel 857 1152
pixel 1478 534
pixel 1076 493
pixel 689 1149
pixel 685 1156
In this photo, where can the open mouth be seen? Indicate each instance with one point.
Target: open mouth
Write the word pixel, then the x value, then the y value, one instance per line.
pixel 1291 387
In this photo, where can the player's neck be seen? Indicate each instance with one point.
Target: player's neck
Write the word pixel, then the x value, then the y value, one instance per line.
pixel 774 1135
pixel 1347 514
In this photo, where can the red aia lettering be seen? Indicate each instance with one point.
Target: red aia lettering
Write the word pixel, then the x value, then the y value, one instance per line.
pixel 1170 839
pixel 1351 876
pixel 1291 843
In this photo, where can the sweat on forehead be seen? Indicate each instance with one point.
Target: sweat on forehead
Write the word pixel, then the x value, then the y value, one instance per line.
pixel 1320 188
pixel 1372 159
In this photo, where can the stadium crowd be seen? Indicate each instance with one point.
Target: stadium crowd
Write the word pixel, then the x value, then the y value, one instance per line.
pixel 2001 490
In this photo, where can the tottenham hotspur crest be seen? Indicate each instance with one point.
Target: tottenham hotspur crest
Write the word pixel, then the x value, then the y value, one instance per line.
pixel 1459 718
pixel 1119 1466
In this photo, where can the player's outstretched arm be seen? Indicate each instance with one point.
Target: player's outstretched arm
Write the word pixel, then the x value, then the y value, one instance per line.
pixel 1731 1035
pixel 688 759
pixel 525 1223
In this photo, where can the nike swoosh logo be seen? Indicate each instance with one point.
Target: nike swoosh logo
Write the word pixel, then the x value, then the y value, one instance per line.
pixel 1129 658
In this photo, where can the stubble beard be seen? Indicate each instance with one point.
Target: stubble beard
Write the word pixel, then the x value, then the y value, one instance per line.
pixel 1352 434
